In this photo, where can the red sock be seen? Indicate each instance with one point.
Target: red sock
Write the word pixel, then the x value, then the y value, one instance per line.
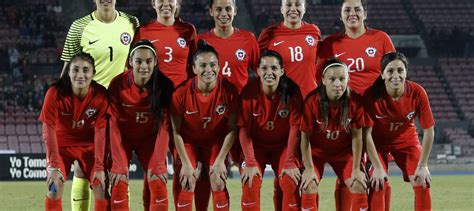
pixel 359 201
pixel 422 199
pixel 158 195
pixel 277 195
pixel 220 200
pixel 291 196
pixel 119 198
pixel 202 192
pixel 388 195
pixel 309 201
pixel 377 200
pixel 146 194
pixel 251 196
pixel 337 195
pixel 345 197
pixel 53 204
pixel 185 201
pixel 101 204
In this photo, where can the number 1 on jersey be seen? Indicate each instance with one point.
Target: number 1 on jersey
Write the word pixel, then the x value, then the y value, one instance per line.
pixel 111 53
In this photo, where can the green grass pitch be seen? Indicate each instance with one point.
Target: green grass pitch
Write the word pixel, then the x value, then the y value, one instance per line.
pixel 448 193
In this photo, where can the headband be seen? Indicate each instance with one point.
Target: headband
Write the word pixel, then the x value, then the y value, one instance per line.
pixel 336 64
pixel 142 46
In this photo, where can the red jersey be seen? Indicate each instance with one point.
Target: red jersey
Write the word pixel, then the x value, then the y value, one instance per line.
pixel 268 119
pixel 236 54
pixel 75 120
pixel 333 139
pixel 362 55
pixel 205 118
pixel 393 121
pixel 174 45
pixel 297 48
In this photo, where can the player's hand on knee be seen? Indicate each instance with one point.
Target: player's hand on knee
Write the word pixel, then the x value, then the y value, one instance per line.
pixel 219 170
pixel 115 178
pixel 100 177
pixel 307 178
pixel 422 176
pixel 293 173
pixel 187 177
pixel 358 178
pixel 378 178
pixel 55 177
pixel 249 173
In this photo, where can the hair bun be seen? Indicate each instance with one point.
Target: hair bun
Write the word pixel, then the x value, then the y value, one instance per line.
pixel 202 44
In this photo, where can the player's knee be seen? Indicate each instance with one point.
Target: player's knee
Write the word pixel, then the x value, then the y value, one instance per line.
pixel 217 184
pixel 287 184
pixel 357 188
pixel 99 192
pixel 312 188
pixel 57 192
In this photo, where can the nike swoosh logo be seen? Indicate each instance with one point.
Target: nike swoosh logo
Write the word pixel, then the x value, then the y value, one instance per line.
pixel 339 54
pixel 191 112
pixel 319 122
pixel 92 42
pixel 155 40
pixel 292 205
pixel 119 201
pixel 80 199
pixel 66 114
pixel 307 209
pixel 248 204
pixel 183 205
pixel 278 43
pixel 254 114
pixel 221 206
pixel 363 209
pixel 126 105
pixel 380 117
pixel 162 200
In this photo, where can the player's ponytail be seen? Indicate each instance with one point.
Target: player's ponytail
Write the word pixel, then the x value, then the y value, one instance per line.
pixel 323 104
pixel 63 84
pixel 204 47
pixel 379 85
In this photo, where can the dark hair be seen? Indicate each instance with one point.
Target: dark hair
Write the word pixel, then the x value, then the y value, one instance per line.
pixel 63 84
pixel 379 84
pixel 211 2
pixel 204 47
pixel 286 87
pixel 159 86
pixel 364 5
pixel 323 103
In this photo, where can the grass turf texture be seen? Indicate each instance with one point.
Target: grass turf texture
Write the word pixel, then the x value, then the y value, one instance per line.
pixel 448 193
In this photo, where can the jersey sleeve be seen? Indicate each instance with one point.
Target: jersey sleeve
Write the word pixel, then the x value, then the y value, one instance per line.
pixel 51 144
pixel 387 44
pixel 322 55
pixel 119 158
pixel 357 120
pixel 424 110
pixel 158 159
pixel 247 147
pixel 308 117
pixel 49 112
pixel 264 39
pixel 254 54
pixel 178 102
pixel 73 38
pixel 99 135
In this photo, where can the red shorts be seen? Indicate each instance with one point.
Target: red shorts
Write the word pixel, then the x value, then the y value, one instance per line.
pixel 84 156
pixel 406 158
pixel 204 154
pixel 276 157
pixel 142 144
pixel 341 164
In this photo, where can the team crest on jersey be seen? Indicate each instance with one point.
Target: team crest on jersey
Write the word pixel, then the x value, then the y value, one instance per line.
pixel 240 54
pixel 125 38
pixel 221 109
pixel 371 51
pixel 90 112
pixel 410 115
pixel 283 113
pixel 181 42
pixel 310 40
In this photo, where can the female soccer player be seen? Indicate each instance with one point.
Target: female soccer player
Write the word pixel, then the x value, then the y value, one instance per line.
pixel 106 34
pixel 361 48
pixel 139 102
pixel 393 103
pixel 331 132
pixel 269 122
pixel 297 42
pixel 174 40
pixel 73 117
pixel 203 119
pixel 238 49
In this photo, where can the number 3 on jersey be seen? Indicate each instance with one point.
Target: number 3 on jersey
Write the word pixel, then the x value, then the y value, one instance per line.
pixel 169 53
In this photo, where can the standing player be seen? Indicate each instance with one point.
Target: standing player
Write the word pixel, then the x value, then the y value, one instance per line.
pixel 331 132
pixel 361 48
pixel 269 122
pixel 73 117
pixel 105 34
pixel 139 101
pixel 203 117
pixel 393 103
pixel 237 48
pixel 297 42
pixel 174 40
